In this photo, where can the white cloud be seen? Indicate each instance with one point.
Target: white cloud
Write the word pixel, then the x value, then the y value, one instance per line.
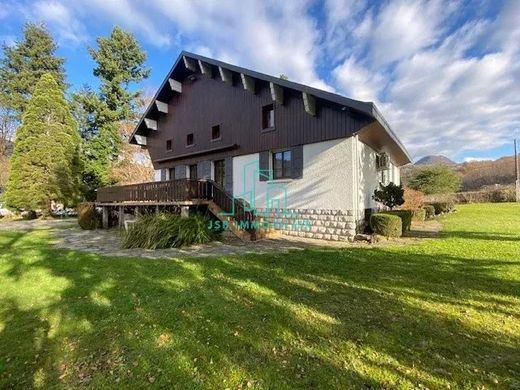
pixel 471 159
pixel 61 20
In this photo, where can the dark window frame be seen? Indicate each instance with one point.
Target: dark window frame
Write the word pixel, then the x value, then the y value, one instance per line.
pixel 286 164
pixel 170 170
pixel 268 117
pixel 216 128
pixel 190 167
pixel 169 145
pixel 190 139
pixel 216 166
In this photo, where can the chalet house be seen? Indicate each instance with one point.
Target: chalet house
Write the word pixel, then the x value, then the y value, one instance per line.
pixel 306 159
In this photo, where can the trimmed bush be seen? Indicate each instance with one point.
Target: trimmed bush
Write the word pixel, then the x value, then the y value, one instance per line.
pixel 88 217
pixel 167 231
pixel 405 215
pixel 443 207
pixel 419 215
pixel 387 225
pixel 413 200
pixel 429 210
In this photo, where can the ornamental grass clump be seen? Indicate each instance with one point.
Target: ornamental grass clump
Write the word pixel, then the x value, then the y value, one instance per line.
pixel 167 231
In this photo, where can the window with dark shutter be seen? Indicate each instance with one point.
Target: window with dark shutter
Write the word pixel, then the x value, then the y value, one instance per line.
pixel 193 171
pixel 171 173
pixel 169 144
pixel 282 165
pixel 189 139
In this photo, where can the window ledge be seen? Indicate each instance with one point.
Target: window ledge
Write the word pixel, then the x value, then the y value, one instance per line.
pixel 216 139
pixel 280 181
pixel 268 130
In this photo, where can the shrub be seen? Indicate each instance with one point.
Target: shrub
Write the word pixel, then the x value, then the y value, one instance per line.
pixel 443 207
pixel 386 225
pixel 88 217
pixel 390 195
pixel 435 179
pixel 413 200
pixel 405 215
pixel 419 215
pixel 167 231
pixel 429 210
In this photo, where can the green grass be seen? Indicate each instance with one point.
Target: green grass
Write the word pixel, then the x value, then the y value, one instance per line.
pixel 442 312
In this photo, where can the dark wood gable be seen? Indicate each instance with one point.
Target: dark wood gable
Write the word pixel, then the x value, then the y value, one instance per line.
pixel 207 101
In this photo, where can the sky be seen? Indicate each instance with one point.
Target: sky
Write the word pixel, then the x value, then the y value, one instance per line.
pixel 445 74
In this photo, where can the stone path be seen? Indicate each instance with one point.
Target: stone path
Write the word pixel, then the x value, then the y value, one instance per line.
pixel 68 235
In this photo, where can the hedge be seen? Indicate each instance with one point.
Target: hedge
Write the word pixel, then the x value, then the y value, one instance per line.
pixel 429 210
pixel 405 215
pixel 387 225
pixel 443 207
pixel 419 215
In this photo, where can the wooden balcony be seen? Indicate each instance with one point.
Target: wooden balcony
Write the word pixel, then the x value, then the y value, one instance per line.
pixel 181 192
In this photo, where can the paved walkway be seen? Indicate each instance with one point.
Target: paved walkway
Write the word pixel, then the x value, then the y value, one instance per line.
pixel 68 235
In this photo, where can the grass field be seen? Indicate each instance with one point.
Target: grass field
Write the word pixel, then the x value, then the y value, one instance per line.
pixel 444 312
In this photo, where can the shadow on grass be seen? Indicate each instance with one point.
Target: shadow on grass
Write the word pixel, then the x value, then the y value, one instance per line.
pixel 311 319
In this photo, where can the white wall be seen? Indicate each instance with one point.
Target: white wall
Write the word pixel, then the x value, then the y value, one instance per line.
pixel 327 181
pixel 157 175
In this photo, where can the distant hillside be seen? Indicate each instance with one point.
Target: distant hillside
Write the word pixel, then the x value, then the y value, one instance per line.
pixel 474 175
pixel 435 160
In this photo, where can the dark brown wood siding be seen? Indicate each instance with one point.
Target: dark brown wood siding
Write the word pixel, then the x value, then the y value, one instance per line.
pixel 206 102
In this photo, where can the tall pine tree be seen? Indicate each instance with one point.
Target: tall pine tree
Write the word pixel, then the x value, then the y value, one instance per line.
pixel 119 63
pixel 23 64
pixel 46 164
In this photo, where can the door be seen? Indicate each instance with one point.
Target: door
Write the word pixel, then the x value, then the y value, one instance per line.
pixel 193 171
pixel 219 172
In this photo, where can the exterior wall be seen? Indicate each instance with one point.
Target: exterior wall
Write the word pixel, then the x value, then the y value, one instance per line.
pixel 157 175
pixel 322 199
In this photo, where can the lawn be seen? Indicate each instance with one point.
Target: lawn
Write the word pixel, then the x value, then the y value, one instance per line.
pixel 443 312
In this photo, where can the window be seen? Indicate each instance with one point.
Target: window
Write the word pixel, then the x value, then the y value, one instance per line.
pixel 268 117
pixel 282 164
pixel 169 144
pixel 219 172
pixel 193 171
pixel 171 173
pixel 189 139
pixel 215 133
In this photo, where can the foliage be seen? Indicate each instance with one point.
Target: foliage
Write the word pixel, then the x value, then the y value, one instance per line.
pixel 22 66
pixel 88 217
pixel 429 210
pixel 390 195
pixel 405 215
pixel 435 179
pixel 495 195
pixel 386 225
pixel 119 63
pixel 167 231
pixel 413 200
pixel 419 215
pixel 435 315
pixel 45 165
pixel 443 207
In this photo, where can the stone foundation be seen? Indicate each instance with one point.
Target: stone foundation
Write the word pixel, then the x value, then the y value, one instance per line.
pixel 334 225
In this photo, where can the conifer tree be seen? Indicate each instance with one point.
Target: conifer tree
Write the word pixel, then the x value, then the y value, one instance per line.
pixel 46 164
pixel 23 64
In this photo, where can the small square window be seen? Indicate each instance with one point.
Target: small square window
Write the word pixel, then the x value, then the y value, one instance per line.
pixel 169 144
pixel 268 117
pixel 215 132
pixel 189 139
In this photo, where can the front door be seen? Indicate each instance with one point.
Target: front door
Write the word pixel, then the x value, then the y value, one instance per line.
pixel 219 172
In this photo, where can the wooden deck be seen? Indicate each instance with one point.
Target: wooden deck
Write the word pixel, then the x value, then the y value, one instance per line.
pixel 182 193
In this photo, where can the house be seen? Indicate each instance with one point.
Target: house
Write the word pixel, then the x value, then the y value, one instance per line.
pixel 292 152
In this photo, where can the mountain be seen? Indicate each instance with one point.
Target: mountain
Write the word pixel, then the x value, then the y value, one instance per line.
pixel 431 160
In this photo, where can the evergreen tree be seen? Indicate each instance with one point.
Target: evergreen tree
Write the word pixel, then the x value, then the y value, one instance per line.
pixel 46 163
pixel 23 64
pixel 120 62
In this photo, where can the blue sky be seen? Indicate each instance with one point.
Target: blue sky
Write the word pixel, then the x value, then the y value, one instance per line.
pixel 445 74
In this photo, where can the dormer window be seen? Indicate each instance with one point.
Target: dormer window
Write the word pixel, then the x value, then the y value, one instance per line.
pixel 189 139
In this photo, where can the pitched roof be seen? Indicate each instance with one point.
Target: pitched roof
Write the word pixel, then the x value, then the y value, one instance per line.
pixel 179 71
